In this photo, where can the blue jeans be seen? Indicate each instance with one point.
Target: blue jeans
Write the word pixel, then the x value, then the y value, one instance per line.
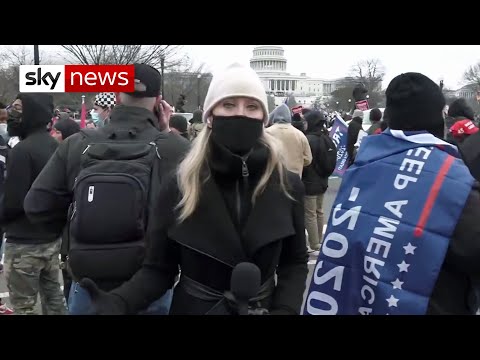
pixel 79 303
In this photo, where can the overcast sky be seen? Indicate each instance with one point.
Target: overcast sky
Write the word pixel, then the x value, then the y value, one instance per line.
pixel 438 62
pixel 446 62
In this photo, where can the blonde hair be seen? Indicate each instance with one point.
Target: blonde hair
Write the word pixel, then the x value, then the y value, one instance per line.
pixel 189 171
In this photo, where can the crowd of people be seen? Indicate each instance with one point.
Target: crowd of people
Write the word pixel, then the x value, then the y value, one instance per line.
pixel 144 212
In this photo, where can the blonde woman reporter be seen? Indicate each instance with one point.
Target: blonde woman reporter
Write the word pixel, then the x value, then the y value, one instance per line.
pixel 231 201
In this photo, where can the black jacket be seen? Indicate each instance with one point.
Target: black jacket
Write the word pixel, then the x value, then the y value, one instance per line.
pixel 454 292
pixel 25 162
pixel 315 184
pixel 207 245
pixel 460 272
pixel 470 150
pixel 48 200
pixel 352 136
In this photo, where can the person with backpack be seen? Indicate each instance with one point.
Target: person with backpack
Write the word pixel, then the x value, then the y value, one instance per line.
pixel 100 184
pixel 232 201
pixel 315 176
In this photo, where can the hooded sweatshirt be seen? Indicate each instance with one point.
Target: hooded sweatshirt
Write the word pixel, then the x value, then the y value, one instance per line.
pixel 297 153
pixel 25 161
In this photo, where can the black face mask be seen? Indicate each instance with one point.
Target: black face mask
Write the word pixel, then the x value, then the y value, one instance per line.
pixel 15 123
pixel 239 134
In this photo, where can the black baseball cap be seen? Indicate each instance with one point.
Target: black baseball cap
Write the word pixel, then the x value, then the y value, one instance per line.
pixel 150 78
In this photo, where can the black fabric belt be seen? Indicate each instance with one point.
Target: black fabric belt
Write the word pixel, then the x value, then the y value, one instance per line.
pixel 225 301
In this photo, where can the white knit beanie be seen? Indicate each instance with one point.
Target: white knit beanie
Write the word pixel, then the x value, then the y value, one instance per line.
pixel 235 80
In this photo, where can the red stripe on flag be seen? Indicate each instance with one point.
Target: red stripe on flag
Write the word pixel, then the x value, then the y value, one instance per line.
pixel 432 196
pixel 83 116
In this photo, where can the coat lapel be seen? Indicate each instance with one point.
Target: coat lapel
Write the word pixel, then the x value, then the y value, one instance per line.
pixel 210 229
pixel 271 219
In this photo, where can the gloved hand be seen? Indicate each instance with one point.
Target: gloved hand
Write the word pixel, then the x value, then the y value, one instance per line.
pixel 104 302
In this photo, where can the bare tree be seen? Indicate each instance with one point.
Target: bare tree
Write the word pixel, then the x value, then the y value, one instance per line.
pixel 10 60
pixel 472 75
pixel 21 56
pixel 126 54
pixel 190 81
pixel 370 72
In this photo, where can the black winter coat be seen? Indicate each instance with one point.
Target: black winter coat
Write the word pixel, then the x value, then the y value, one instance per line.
pixel 224 230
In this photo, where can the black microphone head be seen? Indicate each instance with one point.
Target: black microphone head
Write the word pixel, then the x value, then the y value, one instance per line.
pixel 245 281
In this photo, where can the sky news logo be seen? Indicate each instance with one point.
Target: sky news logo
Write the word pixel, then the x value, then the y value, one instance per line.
pixel 77 78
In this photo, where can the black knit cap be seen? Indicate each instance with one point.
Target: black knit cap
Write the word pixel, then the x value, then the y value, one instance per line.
pixel 415 103
pixel 179 122
pixel 460 108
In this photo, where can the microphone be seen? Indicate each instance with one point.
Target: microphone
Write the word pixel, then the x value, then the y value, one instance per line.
pixel 244 285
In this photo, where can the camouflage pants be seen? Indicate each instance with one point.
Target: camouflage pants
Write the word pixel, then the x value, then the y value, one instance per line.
pixel 30 270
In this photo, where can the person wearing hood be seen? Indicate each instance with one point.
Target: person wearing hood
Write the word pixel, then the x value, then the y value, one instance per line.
pixel 403 235
pixel 196 124
pixel 65 128
pixel 31 252
pixel 231 202
pixel 315 178
pixel 296 151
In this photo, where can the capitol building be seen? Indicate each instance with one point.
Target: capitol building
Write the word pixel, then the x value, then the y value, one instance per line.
pixel 271 66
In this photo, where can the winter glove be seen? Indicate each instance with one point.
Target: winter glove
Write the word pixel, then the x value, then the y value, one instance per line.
pixel 104 302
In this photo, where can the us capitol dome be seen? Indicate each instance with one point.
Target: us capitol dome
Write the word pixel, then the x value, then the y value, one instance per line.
pixel 270 64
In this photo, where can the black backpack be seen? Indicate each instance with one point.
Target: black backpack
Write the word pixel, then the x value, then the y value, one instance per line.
pixel 108 215
pixel 327 156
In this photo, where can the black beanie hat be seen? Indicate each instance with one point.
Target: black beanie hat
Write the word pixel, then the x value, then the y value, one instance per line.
pixel 415 103
pixel 67 127
pixel 179 122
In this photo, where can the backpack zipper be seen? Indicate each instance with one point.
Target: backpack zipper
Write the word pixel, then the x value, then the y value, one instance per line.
pixel 156 149
pixel 74 210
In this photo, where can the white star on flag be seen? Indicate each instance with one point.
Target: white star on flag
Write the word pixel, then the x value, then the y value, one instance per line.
pixel 397 284
pixel 403 266
pixel 392 301
pixel 409 249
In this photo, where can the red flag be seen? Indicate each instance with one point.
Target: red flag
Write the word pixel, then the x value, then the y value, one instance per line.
pixel 83 116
